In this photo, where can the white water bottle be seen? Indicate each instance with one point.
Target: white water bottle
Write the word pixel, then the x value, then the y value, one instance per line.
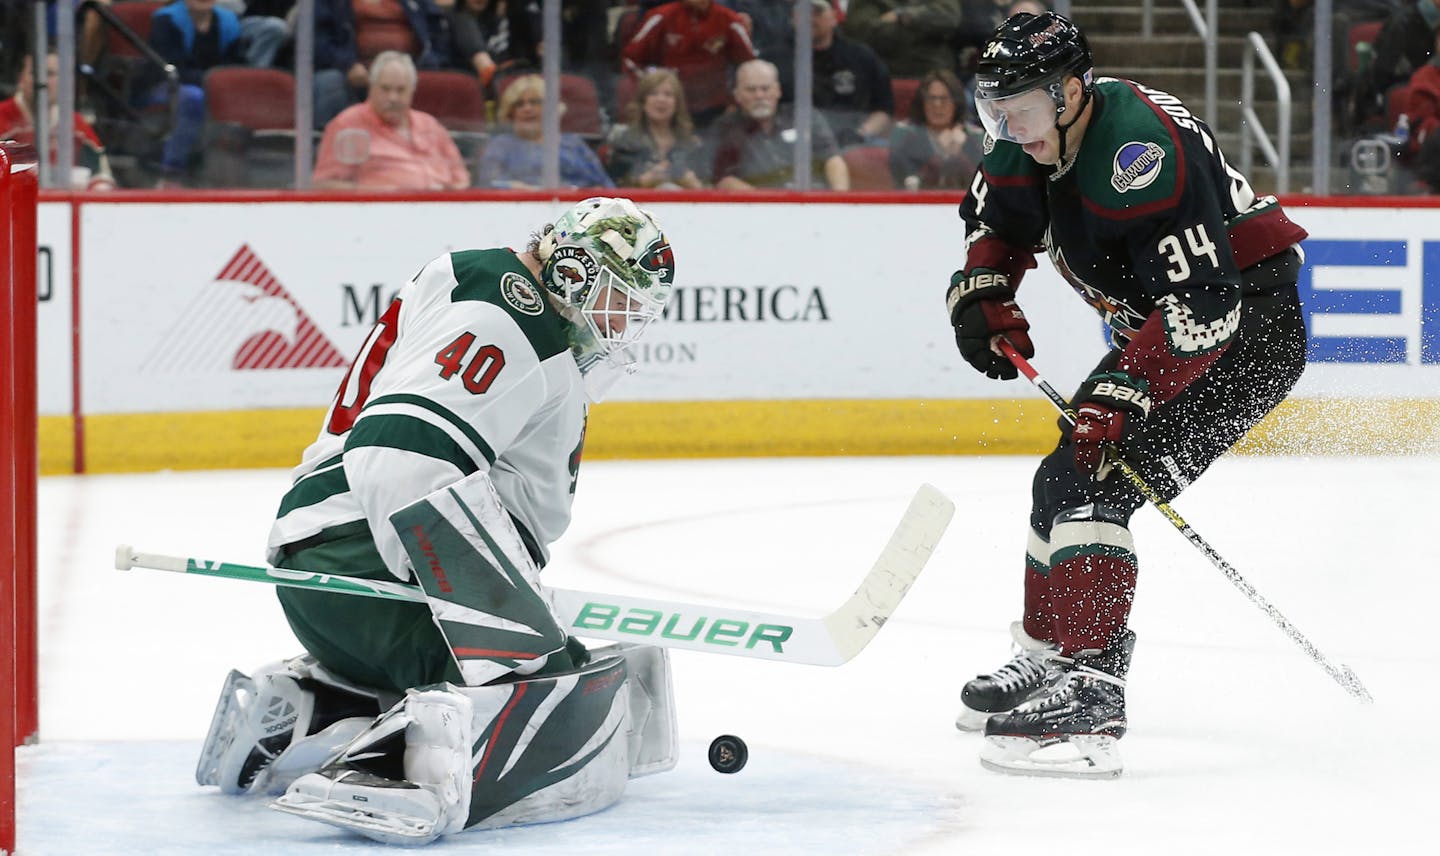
pixel 1402 131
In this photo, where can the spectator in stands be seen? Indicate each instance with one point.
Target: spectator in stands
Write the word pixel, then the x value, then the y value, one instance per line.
pixel 657 146
pixel 194 36
pixel 755 145
pixel 1351 96
pixel 935 149
pixel 341 79
pixel 978 21
pixel 851 83
pixel 701 42
pixel 91 170
pixel 771 24
pixel 1422 106
pixel 515 159
pixel 384 144
pixel 261 35
pixel 1405 43
pixel 911 36
pixel 494 37
pixel 414 27
pixel 17 19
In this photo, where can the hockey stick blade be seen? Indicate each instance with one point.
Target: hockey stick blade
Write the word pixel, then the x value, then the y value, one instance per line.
pixel 830 640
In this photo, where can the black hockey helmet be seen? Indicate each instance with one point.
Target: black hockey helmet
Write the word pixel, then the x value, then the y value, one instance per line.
pixel 1025 63
pixel 1028 51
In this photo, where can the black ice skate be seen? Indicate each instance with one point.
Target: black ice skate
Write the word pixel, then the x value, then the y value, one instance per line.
pixel 1073 730
pixel 1009 686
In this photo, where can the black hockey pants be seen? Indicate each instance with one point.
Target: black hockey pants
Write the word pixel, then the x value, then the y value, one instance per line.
pixel 1183 437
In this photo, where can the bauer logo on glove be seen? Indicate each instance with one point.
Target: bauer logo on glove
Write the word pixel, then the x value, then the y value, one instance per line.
pixel 1120 393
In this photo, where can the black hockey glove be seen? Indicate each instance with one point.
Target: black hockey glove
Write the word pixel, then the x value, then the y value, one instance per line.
pixel 1105 404
pixel 982 306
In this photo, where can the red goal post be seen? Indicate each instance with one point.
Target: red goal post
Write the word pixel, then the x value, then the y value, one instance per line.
pixel 19 709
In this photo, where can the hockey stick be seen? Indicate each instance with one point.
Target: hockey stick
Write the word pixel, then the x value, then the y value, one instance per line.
pixel 829 640
pixel 1342 674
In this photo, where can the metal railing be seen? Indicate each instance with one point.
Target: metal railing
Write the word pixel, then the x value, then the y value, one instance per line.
pixel 1250 124
pixel 1205 26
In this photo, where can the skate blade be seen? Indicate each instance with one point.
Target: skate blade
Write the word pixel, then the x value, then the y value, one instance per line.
pixel 231 710
pixel 1079 756
pixel 971 719
pixel 387 827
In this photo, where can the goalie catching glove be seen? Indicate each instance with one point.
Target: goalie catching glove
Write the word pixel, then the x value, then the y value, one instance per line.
pixel 1105 404
pixel 982 306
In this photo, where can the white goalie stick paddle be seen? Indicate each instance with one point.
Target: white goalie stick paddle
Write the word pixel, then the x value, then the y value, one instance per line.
pixel 1338 672
pixel 829 640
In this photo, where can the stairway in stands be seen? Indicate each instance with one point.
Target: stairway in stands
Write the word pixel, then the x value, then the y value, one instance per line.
pixel 1173 60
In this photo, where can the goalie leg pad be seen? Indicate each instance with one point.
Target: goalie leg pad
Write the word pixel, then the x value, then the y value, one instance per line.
pixel 652 730
pixel 525 751
pixel 403 780
pixel 482 585
pixel 287 720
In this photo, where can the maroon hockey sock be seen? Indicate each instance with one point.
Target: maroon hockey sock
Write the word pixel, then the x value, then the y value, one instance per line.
pixel 1039 620
pixel 1091 593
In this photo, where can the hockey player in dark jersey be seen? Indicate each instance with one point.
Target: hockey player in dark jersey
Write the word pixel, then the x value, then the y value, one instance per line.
pixel 1132 199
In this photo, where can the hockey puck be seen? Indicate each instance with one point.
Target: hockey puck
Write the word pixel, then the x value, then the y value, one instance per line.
pixel 728 754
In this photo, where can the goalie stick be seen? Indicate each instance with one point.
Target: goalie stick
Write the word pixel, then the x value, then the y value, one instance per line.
pixel 1339 672
pixel 829 640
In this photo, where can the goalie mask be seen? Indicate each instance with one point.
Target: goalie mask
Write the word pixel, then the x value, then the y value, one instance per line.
pixel 609 271
pixel 1020 79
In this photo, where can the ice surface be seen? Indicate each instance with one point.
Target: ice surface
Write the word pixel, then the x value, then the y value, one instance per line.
pixel 1239 744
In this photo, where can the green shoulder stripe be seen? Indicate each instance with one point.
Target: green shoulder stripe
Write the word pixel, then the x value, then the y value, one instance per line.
pixel 1007 163
pixel 460 425
pixel 1131 158
pixel 314 488
pixel 410 434
pixel 498 277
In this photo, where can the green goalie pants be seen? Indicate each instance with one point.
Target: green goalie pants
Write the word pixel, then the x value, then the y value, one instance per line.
pixel 388 645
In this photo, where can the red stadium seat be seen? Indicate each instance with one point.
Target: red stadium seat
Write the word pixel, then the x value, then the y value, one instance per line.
pixel 625 88
pixel 452 97
pixel 136 15
pixel 869 168
pixel 582 107
pixel 251 114
pixel 261 99
pixel 1366 32
pixel 1395 104
pixel 905 90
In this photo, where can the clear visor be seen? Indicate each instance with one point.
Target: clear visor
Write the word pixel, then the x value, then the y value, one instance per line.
pixel 1023 118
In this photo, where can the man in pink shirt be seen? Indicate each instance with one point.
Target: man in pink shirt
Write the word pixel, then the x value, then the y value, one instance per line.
pixel 382 144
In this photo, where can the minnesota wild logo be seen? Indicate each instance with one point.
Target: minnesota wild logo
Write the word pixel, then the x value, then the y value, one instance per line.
pixel 659 261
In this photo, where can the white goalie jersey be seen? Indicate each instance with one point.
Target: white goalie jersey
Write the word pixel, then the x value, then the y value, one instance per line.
pixel 469 369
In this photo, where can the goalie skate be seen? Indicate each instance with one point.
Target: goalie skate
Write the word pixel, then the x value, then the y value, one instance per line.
pixel 388 810
pixel 260 736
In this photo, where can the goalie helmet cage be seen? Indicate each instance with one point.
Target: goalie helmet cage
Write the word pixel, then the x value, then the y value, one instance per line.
pixel 19 710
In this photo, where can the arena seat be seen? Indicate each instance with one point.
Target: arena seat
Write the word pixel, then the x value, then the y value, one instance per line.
pixel 869 168
pixel 251 127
